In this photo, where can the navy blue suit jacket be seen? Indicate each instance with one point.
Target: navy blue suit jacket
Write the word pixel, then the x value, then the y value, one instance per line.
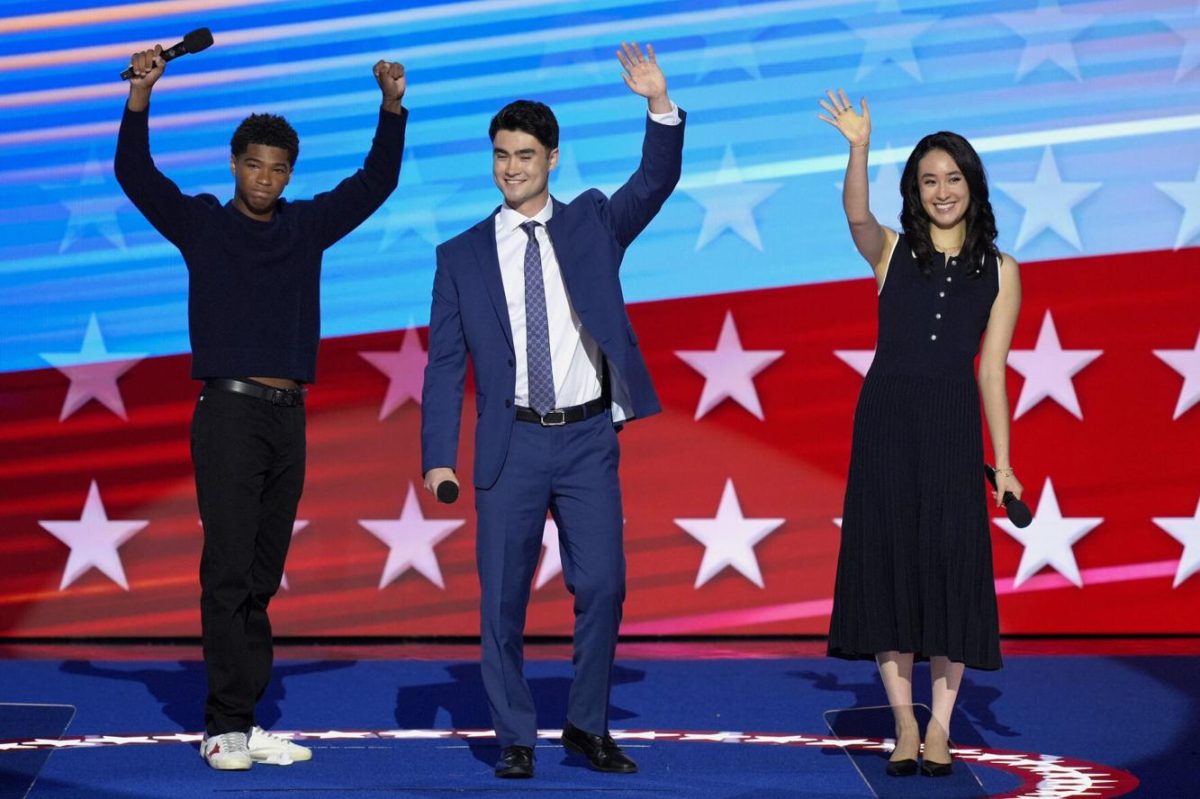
pixel 469 315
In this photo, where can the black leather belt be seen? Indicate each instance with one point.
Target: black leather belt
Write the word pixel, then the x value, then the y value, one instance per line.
pixel 561 416
pixel 288 397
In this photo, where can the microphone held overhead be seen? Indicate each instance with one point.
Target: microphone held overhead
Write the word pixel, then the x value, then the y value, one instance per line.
pixel 194 42
pixel 1018 512
pixel 447 492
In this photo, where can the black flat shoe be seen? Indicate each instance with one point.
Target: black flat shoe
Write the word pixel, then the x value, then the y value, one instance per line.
pixel 901 768
pixel 516 762
pixel 931 768
pixel 602 752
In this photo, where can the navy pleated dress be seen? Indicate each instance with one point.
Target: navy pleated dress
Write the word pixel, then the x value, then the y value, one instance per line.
pixel 915 566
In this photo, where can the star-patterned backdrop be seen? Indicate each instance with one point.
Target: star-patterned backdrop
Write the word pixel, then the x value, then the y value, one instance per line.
pixel 756 316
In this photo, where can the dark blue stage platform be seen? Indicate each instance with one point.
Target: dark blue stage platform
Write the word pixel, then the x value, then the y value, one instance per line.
pixel 729 720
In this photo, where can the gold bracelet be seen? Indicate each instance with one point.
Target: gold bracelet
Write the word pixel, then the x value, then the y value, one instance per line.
pixel 1006 470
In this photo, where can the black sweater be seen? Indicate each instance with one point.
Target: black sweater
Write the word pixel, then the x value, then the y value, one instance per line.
pixel 254 305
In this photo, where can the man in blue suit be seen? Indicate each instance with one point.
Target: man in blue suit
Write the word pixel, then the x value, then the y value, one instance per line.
pixel 532 294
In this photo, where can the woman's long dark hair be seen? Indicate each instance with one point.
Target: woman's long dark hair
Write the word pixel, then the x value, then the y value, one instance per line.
pixel 980 241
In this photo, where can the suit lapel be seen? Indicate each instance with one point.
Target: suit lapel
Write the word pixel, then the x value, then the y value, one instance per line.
pixel 484 242
pixel 560 239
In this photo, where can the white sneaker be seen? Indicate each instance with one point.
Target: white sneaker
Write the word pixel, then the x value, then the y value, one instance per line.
pixel 274 749
pixel 227 751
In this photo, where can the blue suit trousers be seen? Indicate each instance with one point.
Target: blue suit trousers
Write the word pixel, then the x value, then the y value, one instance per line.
pixel 571 472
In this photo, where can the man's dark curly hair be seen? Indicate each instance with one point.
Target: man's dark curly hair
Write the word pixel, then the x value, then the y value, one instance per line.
pixel 269 130
pixel 528 116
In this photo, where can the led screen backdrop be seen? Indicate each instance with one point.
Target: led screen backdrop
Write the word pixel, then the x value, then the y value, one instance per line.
pixel 754 311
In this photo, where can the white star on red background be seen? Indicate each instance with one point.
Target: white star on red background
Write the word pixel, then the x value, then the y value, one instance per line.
pixel 405 370
pixel 411 540
pixel 93 540
pixel 1048 369
pixel 297 526
pixel 93 372
pixel 729 370
pixel 551 556
pixel 1187 363
pixel 1049 538
pixel 1185 530
pixel 729 539
pixel 858 360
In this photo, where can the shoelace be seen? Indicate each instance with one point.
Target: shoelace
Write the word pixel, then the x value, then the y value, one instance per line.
pixel 231 742
pixel 276 740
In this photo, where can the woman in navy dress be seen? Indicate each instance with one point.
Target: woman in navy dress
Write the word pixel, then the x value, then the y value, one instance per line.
pixel 914 576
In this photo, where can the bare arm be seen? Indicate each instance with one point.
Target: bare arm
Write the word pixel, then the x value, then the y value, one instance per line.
pixel 993 374
pixel 870 238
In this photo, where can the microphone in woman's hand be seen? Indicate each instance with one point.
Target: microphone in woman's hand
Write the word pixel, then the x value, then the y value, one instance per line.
pixel 1018 512
pixel 447 492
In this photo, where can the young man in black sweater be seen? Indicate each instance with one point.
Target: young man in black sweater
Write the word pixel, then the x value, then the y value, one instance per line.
pixel 254 268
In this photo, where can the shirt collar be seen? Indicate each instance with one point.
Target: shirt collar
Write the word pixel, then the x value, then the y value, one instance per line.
pixel 511 220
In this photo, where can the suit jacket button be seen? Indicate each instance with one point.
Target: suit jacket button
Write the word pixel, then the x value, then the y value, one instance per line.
pixel 508 403
pixel 511 362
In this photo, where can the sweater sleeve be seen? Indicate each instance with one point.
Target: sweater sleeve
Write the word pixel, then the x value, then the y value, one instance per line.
pixel 337 212
pixel 170 211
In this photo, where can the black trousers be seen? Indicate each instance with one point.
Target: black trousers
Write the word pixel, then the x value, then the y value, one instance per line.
pixel 248 457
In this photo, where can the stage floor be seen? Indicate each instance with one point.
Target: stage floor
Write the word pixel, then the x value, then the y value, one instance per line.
pixel 1082 717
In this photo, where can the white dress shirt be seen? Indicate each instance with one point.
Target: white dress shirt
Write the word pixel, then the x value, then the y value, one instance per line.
pixel 575 357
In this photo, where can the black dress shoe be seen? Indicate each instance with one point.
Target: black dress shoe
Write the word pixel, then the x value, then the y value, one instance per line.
pixel 932 768
pixel 901 768
pixel 516 762
pixel 602 752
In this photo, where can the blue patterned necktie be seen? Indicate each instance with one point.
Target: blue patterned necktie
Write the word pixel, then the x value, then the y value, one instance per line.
pixel 537 328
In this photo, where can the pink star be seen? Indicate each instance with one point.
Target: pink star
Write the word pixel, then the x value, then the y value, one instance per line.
pixel 411 540
pixel 93 372
pixel 1187 363
pixel 1048 369
pixel 729 370
pixel 93 541
pixel 405 369
pixel 552 557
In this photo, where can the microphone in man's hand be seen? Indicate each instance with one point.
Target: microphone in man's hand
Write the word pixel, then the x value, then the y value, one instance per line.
pixel 447 492
pixel 194 42
pixel 1018 511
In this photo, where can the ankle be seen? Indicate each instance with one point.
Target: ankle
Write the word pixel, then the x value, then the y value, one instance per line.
pixel 936 734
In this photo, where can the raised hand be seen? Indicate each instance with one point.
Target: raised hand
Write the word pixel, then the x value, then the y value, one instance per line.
pixel 854 126
pixel 148 66
pixel 391 80
pixel 643 76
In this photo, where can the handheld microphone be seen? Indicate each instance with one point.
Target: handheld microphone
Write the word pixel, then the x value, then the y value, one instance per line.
pixel 1018 512
pixel 447 492
pixel 194 42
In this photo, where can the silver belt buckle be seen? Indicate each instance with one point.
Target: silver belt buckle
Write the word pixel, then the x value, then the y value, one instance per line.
pixel 554 418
